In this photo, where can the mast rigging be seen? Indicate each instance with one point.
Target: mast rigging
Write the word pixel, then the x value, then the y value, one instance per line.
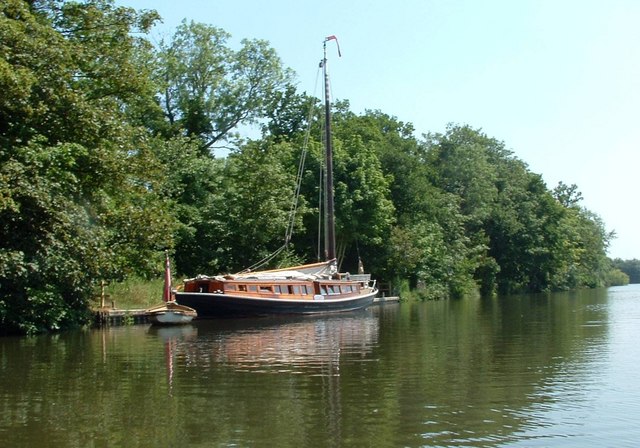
pixel 330 231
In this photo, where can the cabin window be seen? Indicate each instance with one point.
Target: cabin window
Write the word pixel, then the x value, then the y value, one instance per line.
pixel 294 289
pixel 266 289
pixel 252 288
pixel 280 289
pixel 242 288
pixel 305 290
pixel 323 290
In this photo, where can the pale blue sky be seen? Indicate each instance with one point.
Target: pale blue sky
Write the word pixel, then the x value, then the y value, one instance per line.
pixel 557 80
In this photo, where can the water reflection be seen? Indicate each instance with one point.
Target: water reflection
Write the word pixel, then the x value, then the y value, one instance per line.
pixel 481 371
pixel 303 388
pixel 172 336
pixel 544 370
pixel 276 345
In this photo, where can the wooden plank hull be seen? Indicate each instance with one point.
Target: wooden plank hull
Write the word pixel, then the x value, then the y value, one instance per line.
pixel 218 305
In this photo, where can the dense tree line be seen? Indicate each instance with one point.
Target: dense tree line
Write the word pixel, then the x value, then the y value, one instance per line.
pixel 629 267
pixel 107 158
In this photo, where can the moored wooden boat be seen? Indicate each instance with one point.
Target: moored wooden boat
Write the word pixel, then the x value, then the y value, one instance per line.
pixel 307 289
pixel 169 312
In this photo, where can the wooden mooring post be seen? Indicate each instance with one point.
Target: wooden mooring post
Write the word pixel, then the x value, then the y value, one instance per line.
pixel 107 315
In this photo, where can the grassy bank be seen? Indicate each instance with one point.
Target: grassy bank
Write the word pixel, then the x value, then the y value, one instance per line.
pixel 135 293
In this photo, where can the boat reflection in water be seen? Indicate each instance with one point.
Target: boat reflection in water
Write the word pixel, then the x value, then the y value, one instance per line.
pixel 173 337
pixel 174 333
pixel 278 344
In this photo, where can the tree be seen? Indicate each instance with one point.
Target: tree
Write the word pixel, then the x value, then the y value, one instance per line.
pixel 67 69
pixel 207 89
pixel 567 195
pixel 533 239
pixel 258 190
pixel 193 185
pixel 290 114
pixel 78 200
pixel 629 267
pixel 49 253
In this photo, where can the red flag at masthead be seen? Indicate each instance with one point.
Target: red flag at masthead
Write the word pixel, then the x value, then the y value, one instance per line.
pixel 333 37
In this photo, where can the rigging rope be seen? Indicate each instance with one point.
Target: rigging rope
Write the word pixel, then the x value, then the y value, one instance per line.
pixel 294 205
pixel 320 208
pixel 300 174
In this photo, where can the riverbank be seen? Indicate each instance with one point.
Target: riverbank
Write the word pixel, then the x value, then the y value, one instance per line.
pixel 135 293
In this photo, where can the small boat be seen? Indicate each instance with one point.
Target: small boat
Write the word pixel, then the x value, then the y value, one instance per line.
pixel 307 289
pixel 169 312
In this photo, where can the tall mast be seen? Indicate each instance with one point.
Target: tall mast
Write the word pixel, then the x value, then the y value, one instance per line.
pixel 166 293
pixel 330 226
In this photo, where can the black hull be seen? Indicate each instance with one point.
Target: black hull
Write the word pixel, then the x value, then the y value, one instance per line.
pixel 220 305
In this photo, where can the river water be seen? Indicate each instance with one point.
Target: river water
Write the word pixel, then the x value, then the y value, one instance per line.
pixel 557 370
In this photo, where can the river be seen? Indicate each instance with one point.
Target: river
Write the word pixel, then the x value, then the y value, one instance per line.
pixel 549 370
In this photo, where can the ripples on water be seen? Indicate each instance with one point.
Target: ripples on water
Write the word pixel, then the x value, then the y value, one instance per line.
pixel 593 400
pixel 545 370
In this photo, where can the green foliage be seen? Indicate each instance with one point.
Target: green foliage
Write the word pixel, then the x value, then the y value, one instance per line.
pixel 364 210
pixel 78 198
pixel 207 89
pixel 629 267
pixel 49 254
pixel 67 69
pixel 106 161
pixel 193 185
pixel 258 190
pixel 522 238
pixel 616 277
pixel 134 293
pixel 567 195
